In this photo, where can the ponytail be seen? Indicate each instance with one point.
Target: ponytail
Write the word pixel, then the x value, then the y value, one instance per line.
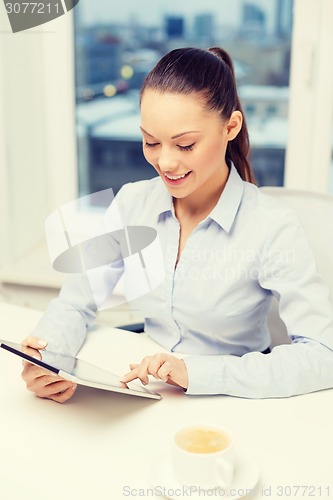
pixel 238 150
pixel 177 72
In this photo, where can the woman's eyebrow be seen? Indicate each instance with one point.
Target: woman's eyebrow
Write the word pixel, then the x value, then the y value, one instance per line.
pixel 184 133
pixel 174 136
pixel 144 131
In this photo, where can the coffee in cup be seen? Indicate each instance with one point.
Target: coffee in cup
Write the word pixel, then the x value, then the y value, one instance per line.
pixel 202 440
pixel 203 456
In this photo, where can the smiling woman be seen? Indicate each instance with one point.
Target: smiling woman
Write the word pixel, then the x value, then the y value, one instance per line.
pixel 227 249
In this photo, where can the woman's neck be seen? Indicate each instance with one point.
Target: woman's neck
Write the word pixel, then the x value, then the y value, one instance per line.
pixel 201 202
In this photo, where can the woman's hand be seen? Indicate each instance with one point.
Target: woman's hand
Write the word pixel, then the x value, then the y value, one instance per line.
pixel 163 367
pixel 44 383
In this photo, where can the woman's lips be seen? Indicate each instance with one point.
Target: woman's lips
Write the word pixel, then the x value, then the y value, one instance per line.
pixel 176 179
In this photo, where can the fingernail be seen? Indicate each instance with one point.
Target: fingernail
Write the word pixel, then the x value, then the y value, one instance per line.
pixel 42 343
pixel 36 357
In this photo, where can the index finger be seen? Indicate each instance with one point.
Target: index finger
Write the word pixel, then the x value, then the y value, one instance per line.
pixel 132 375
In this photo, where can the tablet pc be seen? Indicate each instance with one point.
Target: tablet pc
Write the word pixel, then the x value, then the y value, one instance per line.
pixel 79 371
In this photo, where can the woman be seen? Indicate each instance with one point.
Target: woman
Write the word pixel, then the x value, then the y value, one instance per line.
pixel 228 250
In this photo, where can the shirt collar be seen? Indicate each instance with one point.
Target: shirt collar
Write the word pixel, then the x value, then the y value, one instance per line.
pixel 225 210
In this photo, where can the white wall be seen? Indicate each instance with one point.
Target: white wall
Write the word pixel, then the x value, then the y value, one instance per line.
pixel 37 137
pixel 311 97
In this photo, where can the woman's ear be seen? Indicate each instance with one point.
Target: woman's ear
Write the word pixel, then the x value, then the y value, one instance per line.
pixel 234 125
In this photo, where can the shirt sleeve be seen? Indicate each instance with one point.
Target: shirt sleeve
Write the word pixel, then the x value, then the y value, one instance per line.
pixel 67 318
pixel 65 323
pixel 289 271
pixel 288 370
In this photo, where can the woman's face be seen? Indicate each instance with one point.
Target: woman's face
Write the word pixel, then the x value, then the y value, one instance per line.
pixel 184 142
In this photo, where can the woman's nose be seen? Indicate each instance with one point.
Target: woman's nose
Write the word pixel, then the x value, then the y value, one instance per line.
pixel 167 161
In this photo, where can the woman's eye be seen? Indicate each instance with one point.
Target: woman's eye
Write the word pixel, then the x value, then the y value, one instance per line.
pixel 186 148
pixel 182 148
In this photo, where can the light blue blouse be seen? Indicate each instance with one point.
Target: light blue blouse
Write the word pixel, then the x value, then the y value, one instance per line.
pixel 213 304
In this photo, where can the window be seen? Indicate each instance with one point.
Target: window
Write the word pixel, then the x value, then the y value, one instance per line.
pixel 115 47
pixel 250 110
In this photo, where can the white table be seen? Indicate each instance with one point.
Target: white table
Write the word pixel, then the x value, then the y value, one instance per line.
pixel 101 445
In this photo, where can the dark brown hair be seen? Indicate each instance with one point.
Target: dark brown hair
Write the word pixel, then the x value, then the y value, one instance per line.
pixel 211 74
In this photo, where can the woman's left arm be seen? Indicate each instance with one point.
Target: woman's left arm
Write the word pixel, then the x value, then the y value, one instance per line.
pixel 299 368
pixel 289 370
pixel 288 270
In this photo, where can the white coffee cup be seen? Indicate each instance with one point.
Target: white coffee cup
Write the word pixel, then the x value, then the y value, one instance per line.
pixel 203 456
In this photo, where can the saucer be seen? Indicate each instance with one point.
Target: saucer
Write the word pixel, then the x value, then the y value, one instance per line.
pixel 163 480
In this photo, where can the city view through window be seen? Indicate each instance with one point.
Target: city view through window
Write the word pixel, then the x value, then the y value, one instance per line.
pixel 116 45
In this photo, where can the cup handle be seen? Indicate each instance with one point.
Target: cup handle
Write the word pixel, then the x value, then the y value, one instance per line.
pixel 224 473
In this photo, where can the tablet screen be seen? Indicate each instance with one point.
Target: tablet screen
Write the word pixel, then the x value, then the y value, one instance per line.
pixel 79 371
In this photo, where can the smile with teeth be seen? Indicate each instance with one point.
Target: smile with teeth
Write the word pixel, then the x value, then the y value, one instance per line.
pixel 176 177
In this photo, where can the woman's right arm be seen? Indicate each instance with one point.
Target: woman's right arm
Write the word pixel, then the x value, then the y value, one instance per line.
pixel 64 325
pixel 63 328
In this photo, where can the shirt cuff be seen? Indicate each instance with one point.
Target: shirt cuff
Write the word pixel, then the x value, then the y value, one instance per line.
pixel 205 375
